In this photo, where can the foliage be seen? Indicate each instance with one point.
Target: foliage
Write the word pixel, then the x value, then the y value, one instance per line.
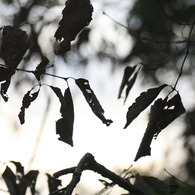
pixel 155 45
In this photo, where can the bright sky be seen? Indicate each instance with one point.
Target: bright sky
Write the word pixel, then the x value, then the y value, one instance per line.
pixel 112 146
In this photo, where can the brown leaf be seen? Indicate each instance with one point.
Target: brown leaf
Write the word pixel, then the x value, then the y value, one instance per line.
pixel 76 15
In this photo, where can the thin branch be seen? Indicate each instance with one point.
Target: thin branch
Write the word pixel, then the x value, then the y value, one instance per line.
pixel 171 19
pixel 135 34
pixel 179 180
pixel 186 55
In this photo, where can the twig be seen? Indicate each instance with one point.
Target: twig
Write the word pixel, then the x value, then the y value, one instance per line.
pixel 186 55
pixel 88 163
pixel 179 180
pixel 135 34
pixel 171 19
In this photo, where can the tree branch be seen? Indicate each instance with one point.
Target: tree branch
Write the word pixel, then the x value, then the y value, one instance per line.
pixel 88 163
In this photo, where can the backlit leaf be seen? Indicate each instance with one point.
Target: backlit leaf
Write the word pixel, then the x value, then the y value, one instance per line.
pixel 27 99
pixel 10 180
pixel 53 183
pixel 161 116
pixel 76 15
pixel 127 74
pixel 40 69
pixel 14 45
pixel 142 102
pixel 130 85
pixel 92 100
pixel 64 126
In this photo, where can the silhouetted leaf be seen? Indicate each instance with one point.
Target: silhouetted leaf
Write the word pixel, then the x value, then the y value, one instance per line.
pixel 59 94
pixel 14 45
pixel 161 116
pixel 5 73
pixel 64 126
pixel 92 100
pixel 4 88
pixel 142 102
pixel 28 180
pixel 53 183
pixel 40 69
pixel 27 100
pixel 130 85
pixel 76 15
pixel 10 180
pixel 19 167
pixel 127 74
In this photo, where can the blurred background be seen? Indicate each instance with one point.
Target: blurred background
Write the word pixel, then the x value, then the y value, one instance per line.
pixel 153 33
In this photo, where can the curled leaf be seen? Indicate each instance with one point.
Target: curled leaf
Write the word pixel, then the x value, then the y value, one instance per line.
pixel 92 100
pixel 27 99
pixel 161 116
pixel 76 15
pixel 64 126
pixel 127 74
pixel 40 69
pixel 130 84
pixel 142 102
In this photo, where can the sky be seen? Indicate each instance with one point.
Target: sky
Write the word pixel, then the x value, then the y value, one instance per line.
pixel 112 146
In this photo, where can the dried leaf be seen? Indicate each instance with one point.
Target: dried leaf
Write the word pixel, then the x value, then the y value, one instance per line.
pixel 92 100
pixel 127 74
pixel 160 117
pixel 76 15
pixel 10 180
pixel 40 69
pixel 53 183
pixel 28 180
pixel 152 128
pixel 15 43
pixel 142 102
pixel 4 88
pixel 64 126
pixel 19 167
pixel 59 94
pixel 27 100
pixel 130 84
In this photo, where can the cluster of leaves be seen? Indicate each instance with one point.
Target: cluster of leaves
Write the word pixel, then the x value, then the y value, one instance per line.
pixel 18 181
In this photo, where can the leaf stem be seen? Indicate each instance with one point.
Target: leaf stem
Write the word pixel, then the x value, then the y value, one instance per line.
pixel 186 55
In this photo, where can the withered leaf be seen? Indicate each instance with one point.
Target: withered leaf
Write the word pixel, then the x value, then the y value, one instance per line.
pixel 76 15
pixel 40 69
pixel 15 43
pixel 142 102
pixel 127 74
pixel 53 183
pixel 161 116
pixel 4 88
pixel 64 126
pixel 92 100
pixel 10 180
pixel 59 94
pixel 130 85
pixel 27 99
pixel 28 180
